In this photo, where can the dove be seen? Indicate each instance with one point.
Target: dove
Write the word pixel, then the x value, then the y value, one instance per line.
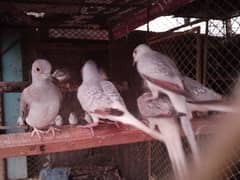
pixel 159 114
pixel 101 100
pixel 59 121
pixel 201 99
pixel 61 75
pixel 161 75
pixel 73 119
pixel 204 99
pixel 40 101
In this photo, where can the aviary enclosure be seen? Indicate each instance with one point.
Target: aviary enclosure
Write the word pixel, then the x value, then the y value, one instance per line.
pixel 204 43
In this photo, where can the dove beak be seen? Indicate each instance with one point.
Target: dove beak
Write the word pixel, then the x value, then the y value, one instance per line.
pixel 46 75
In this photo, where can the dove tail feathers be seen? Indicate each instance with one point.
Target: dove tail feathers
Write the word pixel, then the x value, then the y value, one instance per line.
pixel 211 107
pixel 188 131
pixel 129 119
pixel 172 139
pixel 109 111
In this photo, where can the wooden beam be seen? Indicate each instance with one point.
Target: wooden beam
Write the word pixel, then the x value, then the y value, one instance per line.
pixel 68 3
pixel 76 138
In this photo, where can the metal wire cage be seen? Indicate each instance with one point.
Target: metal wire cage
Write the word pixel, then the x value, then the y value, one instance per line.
pixel 206 47
pixel 209 51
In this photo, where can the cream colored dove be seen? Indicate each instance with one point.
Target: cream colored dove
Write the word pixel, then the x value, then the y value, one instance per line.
pixel 101 100
pixel 40 101
pixel 160 115
pixel 162 76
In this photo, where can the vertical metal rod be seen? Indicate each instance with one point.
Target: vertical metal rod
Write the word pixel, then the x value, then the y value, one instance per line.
pixel 198 57
pixel 205 55
pixel 228 26
pixel 149 160
pixel 148 17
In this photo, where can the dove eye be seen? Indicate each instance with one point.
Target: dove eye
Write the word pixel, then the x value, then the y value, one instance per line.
pixel 38 69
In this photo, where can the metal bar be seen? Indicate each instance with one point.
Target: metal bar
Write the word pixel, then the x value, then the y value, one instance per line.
pixel 12 127
pixel 228 28
pixel 198 57
pixel 170 35
pixel 205 55
pixel 134 19
pixel 19 86
pixel 179 27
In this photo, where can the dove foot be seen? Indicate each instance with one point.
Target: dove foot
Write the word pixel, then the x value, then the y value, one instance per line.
pixel 90 126
pixel 37 132
pixel 107 122
pixel 53 130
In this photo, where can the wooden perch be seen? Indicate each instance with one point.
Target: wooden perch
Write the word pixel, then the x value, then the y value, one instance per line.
pixel 75 138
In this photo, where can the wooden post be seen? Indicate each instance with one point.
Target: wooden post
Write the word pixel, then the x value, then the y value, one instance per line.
pixel 228 25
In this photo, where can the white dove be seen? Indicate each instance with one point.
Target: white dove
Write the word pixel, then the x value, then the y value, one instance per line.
pixel 158 114
pixel 62 75
pixel 162 76
pixel 73 119
pixel 101 100
pixel 59 121
pixel 40 102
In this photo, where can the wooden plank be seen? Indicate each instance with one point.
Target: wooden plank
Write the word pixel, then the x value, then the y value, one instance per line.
pixel 75 138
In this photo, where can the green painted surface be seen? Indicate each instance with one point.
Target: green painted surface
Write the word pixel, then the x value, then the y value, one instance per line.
pixel 11 62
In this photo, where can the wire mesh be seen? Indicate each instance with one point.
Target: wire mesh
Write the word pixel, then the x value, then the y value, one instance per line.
pixel 86 34
pixel 212 55
pixel 183 48
pixel 223 53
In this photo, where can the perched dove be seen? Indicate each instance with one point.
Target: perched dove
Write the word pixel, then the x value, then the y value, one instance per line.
pixel 61 75
pixel 204 99
pixel 158 113
pixel 162 76
pixel 59 121
pixel 73 119
pixel 101 100
pixel 201 99
pixel 40 102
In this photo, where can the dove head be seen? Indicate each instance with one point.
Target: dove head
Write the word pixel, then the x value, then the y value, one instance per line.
pixel 41 70
pixel 139 51
pixel 90 71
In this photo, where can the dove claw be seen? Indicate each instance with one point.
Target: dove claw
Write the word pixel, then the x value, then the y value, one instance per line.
pixel 90 126
pixel 53 130
pixel 37 132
